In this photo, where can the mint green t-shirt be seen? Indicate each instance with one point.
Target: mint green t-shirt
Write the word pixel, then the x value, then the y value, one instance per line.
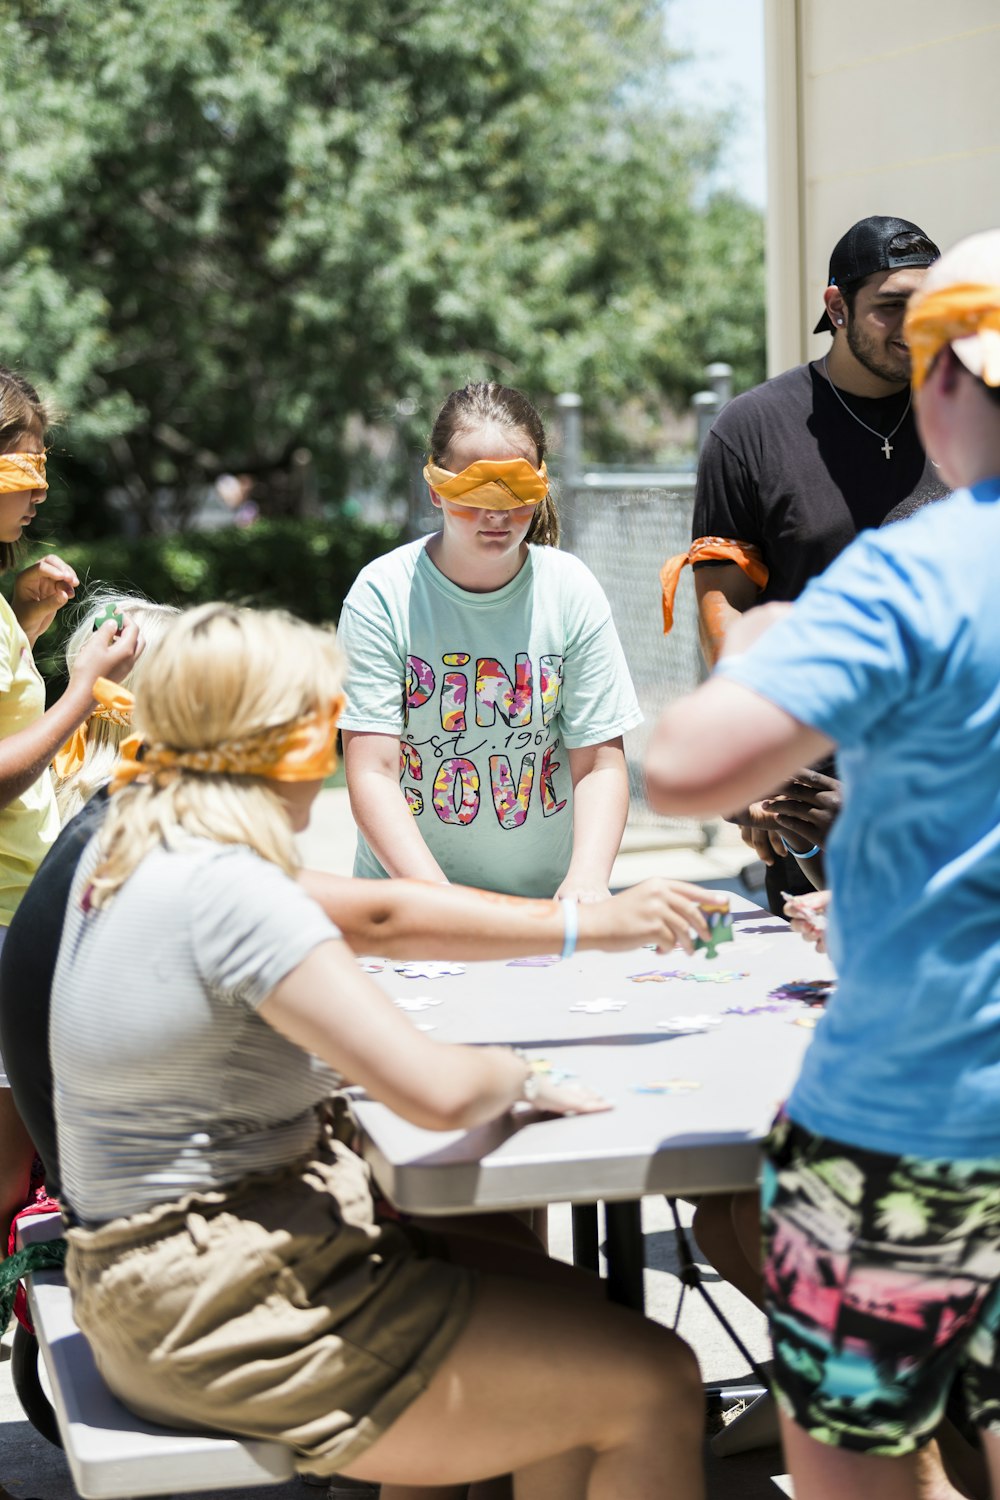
pixel 487 693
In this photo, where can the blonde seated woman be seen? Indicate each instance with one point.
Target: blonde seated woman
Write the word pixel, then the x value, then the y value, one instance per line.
pixel 394 918
pixel 225 1260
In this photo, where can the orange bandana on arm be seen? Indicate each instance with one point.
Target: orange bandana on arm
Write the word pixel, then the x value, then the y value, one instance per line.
pixel 114 704
pixel 950 316
pixel 709 549
pixel 491 484
pixel 22 471
pixel 305 750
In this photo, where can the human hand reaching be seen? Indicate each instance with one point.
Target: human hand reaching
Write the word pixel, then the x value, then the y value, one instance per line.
pixel 808 916
pixel 109 653
pixel 555 1095
pixel 658 911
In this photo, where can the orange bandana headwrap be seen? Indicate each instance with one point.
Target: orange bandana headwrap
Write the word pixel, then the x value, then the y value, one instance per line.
pixel 22 471
pixel 949 316
pixel 114 704
pixel 491 484
pixel 305 750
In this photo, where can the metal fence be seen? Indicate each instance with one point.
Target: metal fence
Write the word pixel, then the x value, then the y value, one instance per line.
pixel 624 524
pixel 624 531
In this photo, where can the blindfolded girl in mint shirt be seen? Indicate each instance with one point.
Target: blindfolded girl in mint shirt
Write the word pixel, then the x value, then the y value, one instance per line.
pixel 487 691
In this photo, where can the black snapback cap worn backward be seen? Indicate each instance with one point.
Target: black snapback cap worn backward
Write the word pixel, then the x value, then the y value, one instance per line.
pixel 864 249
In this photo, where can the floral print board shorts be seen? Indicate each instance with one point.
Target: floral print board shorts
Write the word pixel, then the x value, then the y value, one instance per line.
pixel 882 1288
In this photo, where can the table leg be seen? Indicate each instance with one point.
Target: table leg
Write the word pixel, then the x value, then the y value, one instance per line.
pixel 586 1238
pixel 624 1249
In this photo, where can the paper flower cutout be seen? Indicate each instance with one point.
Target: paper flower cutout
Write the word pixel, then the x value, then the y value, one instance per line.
pixel 428 969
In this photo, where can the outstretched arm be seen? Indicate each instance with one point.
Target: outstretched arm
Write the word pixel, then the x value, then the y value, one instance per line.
pixel 25 754
pixel 329 1007
pixel 409 919
pixel 722 748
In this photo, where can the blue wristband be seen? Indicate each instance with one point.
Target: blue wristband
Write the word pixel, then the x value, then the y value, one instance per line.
pixel 801 854
pixel 571 926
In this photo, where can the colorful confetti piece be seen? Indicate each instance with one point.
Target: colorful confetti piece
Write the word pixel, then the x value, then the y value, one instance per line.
pixel 698 976
pixel 372 965
pixel 809 991
pixel 540 961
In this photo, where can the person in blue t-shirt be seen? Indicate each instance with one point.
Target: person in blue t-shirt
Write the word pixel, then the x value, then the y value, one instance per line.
pixel 881 1192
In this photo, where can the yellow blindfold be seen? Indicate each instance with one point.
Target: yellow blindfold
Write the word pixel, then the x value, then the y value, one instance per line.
pixel 303 751
pixel 967 316
pixel 491 484
pixel 22 471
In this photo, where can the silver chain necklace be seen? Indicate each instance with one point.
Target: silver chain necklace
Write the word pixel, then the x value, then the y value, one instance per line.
pixel 886 445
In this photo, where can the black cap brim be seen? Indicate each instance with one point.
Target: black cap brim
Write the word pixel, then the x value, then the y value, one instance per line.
pixel 824 325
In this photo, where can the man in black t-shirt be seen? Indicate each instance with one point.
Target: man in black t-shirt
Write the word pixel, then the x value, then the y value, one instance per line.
pixel 801 464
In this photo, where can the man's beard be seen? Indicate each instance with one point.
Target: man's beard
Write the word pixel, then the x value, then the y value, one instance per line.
pixel 875 358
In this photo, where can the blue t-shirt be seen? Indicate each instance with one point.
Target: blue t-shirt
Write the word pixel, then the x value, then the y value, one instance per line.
pixel 894 652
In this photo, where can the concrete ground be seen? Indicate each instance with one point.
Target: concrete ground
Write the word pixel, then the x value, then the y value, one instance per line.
pixel 30 1467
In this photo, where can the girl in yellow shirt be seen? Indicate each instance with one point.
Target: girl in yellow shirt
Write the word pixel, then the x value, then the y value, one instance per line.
pixel 29 734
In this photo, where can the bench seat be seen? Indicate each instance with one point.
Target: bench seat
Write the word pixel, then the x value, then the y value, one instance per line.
pixel 112 1453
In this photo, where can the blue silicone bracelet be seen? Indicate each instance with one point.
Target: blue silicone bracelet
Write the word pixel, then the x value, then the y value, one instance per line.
pixel 801 854
pixel 571 926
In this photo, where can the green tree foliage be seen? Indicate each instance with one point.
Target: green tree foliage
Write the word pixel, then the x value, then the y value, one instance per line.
pixel 227 225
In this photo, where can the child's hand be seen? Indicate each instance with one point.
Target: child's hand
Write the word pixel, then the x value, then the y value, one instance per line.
pixel 807 915
pixel 658 911
pixel 108 654
pixel 40 592
pixel 566 1098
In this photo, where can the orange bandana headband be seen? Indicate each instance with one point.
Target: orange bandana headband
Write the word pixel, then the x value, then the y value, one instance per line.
pixel 967 315
pixel 305 750
pixel 491 484
pixel 22 471
pixel 114 705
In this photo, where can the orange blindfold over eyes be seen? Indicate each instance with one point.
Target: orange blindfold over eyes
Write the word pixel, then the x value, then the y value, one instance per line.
pixel 22 471
pixel 491 484
pixel 967 315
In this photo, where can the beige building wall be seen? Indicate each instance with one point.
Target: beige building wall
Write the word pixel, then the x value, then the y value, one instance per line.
pixel 873 107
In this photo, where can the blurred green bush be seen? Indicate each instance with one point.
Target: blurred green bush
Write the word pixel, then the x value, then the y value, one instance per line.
pixel 303 566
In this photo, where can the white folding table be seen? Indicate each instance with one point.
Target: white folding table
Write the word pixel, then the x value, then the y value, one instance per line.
pixel 703 1138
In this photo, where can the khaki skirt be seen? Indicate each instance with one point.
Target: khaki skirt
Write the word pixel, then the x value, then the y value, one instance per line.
pixel 279 1309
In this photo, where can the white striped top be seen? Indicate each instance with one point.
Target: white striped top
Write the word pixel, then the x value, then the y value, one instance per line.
pixel 167 1081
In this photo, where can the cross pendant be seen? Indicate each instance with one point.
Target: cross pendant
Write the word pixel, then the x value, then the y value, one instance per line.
pixel 887 448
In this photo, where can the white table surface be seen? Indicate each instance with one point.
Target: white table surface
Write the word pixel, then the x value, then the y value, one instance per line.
pixel 697 1141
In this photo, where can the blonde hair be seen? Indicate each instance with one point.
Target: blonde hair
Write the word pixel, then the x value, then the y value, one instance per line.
pixel 217 674
pixel 486 403
pixel 104 737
